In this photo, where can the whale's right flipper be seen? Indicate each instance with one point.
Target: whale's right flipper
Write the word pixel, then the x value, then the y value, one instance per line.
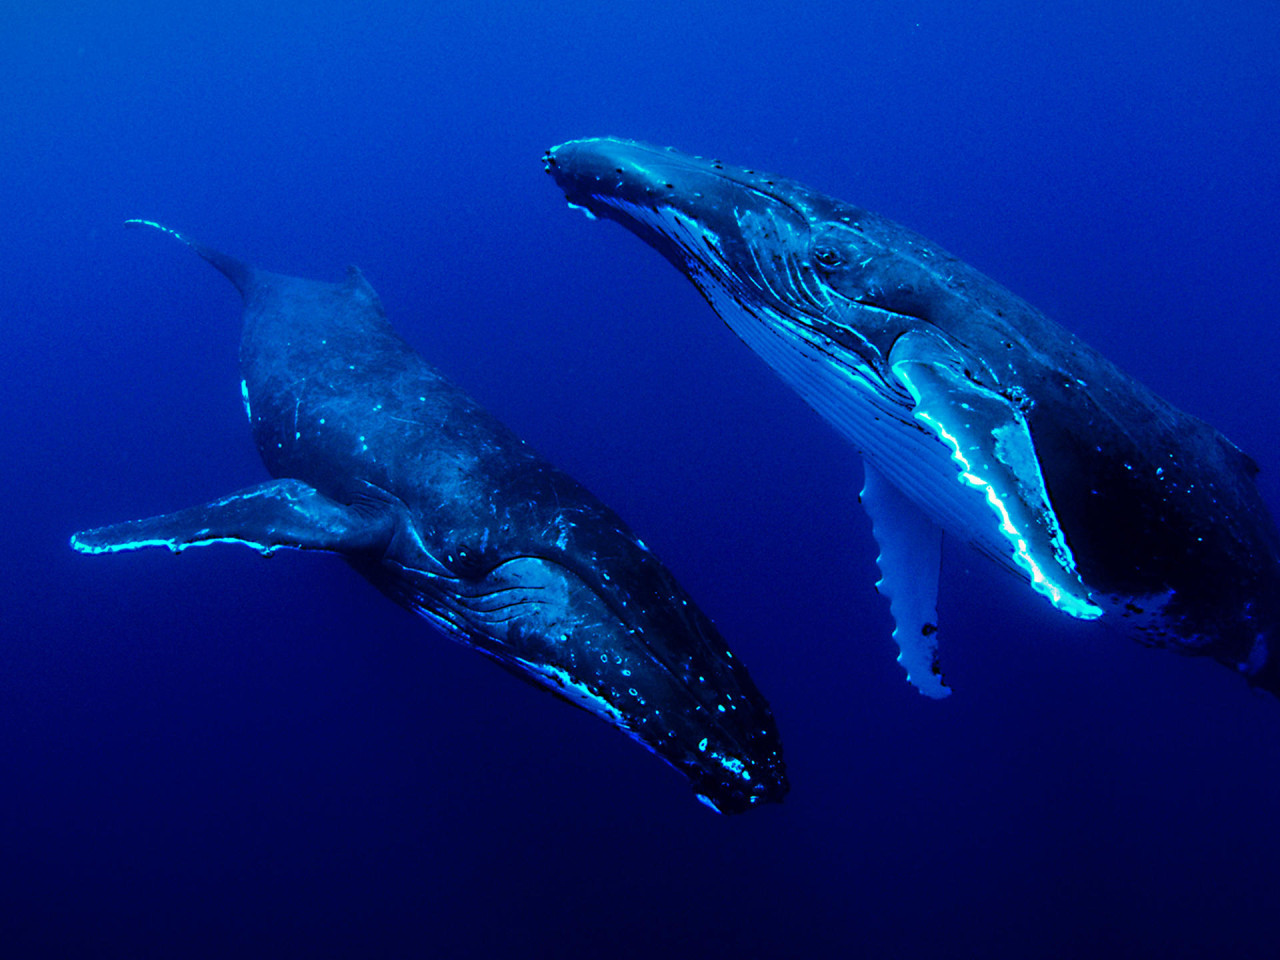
pixel 279 513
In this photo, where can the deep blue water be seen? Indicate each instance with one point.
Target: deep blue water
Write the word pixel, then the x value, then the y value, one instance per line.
pixel 219 755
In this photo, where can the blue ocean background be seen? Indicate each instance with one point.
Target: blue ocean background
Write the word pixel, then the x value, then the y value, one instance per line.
pixel 217 755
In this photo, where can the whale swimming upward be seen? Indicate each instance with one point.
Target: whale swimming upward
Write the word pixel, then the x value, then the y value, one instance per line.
pixel 975 413
pixel 380 459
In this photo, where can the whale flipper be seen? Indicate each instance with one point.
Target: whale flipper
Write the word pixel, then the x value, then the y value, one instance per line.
pixel 278 513
pixel 910 561
pixel 993 452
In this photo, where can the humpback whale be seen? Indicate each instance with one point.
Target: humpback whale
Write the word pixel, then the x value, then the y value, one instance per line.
pixel 975 414
pixel 379 458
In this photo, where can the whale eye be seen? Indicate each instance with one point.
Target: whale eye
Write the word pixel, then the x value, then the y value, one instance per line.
pixel 471 564
pixel 827 257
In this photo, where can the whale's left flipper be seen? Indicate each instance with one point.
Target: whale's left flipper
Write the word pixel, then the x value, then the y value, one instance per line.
pixel 279 513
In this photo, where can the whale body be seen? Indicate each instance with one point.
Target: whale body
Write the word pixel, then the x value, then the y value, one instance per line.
pixel 379 458
pixel 975 413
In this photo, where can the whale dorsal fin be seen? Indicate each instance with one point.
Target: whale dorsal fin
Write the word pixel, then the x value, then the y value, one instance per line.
pixel 358 284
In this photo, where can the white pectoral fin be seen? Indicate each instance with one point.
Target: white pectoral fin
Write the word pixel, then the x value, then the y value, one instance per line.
pixel 910 556
pixel 994 455
pixel 279 513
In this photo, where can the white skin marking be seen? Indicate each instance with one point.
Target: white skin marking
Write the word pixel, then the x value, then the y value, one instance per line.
pixel 297 402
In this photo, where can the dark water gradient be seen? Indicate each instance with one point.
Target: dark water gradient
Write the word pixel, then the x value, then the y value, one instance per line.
pixel 220 755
